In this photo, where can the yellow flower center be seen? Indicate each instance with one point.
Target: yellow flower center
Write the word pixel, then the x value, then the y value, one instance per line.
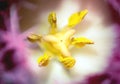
pixel 57 43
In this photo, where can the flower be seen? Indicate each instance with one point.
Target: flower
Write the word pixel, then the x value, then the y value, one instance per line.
pixel 13 58
pixel 58 42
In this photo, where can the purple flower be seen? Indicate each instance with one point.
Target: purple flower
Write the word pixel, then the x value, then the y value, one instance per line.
pixel 115 4
pixel 13 58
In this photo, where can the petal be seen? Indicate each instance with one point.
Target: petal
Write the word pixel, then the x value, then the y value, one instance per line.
pixel 64 50
pixel 50 38
pixel 43 60
pixel 52 20
pixel 34 37
pixel 76 18
pixel 67 37
pixel 68 62
pixel 81 41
